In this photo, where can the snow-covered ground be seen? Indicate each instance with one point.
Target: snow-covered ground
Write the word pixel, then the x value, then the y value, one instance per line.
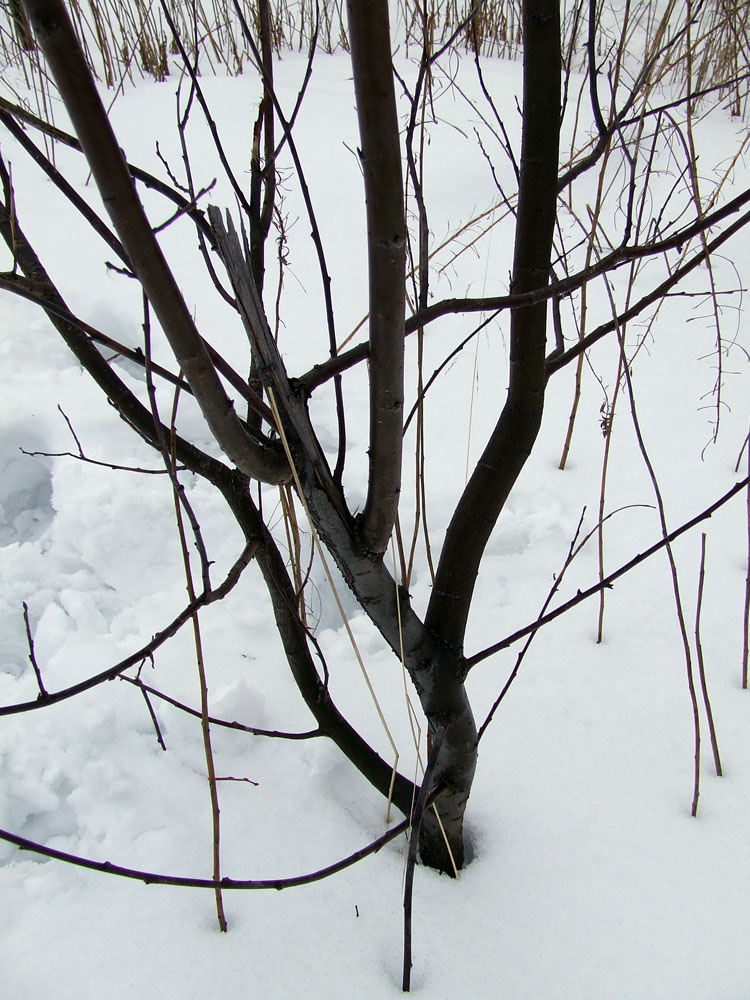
pixel 589 879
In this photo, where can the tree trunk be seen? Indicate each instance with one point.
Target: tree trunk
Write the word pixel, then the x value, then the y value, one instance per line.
pixel 513 437
pixel 441 837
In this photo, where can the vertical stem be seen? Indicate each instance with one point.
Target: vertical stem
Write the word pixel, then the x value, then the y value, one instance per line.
pixel 675 582
pixel 380 156
pixel 515 432
pixel 411 859
pixel 591 248
pixel 205 725
pixel 699 656
pixel 602 494
pixel 170 462
pixel 698 202
pixel 23 28
pixel 32 654
pixel 576 391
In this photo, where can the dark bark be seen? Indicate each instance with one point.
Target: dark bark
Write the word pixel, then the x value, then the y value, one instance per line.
pixel 23 28
pixel 234 487
pixel 262 174
pixel 515 432
pixel 432 651
pixel 437 673
pixel 512 439
pixel 380 157
pixel 58 41
pixel 294 639
pixel 136 414
pixel 262 181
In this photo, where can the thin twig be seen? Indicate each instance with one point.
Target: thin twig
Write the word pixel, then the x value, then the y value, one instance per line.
pixel 238 726
pixel 699 657
pixel 152 713
pixel 181 502
pixel 608 581
pixel 675 579
pixel 201 601
pixel 32 654
pixel 411 861
pixel 572 552
pixel 746 623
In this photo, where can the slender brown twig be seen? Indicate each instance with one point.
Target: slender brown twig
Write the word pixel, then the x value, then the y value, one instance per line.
pixel 158 640
pixel 609 580
pixel 411 861
pixel 32 654
pixel 180 502
pixel 675 580
pixel 238 726
pixel 699 657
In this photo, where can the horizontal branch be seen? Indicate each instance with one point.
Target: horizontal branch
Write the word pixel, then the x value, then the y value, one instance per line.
pixel 238 726
pixel 153 878
pixel 322 373
pixel 565 286
pixel 606 583
pixel 557 361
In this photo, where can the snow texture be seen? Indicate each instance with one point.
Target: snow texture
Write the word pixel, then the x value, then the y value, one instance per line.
pixel 589 879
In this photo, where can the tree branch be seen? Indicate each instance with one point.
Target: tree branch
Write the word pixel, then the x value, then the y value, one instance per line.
pixel 183 204
pixel 515 432
pixel 147 650
pixel 557 361
pixel 65 59
pixel 314 691
pixel 152 878
pixel 607 581
pixel 380 156
pixel 224 723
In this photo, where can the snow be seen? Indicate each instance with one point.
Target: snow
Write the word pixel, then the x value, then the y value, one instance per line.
pixel 589 878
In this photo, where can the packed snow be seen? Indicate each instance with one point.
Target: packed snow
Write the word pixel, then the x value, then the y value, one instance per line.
pixel 588 876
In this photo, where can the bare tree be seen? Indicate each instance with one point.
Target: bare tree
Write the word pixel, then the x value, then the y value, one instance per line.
pixel 639 106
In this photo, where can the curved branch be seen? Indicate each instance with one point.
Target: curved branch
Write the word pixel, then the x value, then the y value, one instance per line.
pixel 515 432
pixel 152 878
pixel 223 723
